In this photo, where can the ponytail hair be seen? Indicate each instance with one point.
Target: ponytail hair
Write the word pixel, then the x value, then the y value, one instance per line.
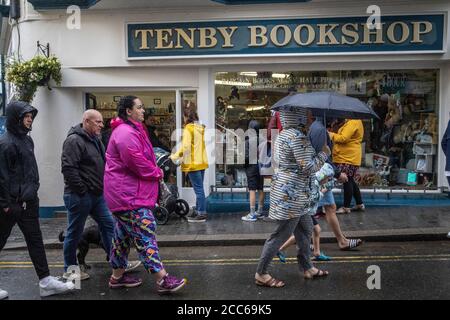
pixel 126 102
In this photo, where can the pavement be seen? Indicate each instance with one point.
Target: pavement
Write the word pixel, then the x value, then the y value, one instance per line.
pixel 376 224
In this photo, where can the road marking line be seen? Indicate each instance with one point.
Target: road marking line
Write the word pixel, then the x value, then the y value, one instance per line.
pixel 16 266
pixel 256 259
pixel 12 266
pixel 336 258
pixel 236 261
pixel 317 262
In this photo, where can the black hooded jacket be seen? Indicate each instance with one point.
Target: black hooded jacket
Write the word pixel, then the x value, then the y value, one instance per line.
pixel 19 176
pixel 83 162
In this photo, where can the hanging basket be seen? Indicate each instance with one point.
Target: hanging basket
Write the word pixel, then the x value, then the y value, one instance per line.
pixel 27 76
pixel 44 81
pixel 25 93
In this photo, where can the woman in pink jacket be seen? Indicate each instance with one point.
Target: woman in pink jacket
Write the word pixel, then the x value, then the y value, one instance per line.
pixel 131 191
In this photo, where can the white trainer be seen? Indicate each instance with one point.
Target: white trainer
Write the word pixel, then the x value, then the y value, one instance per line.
pixel 72 276
pixel 250 217
pixel 55 286
pixel 132 265
pixel 3 294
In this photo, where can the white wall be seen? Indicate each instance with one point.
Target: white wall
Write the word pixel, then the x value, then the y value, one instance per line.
pixel 206 112
pixel 59 110
pixel 101 40
pixel 132 78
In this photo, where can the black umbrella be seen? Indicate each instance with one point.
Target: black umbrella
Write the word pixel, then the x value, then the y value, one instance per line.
pixel 329 104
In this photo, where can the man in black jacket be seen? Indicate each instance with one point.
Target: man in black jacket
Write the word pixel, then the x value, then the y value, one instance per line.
pixel 19 184
pixel 83 166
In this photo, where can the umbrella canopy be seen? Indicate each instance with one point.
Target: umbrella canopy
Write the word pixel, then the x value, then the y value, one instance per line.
pixel 329 104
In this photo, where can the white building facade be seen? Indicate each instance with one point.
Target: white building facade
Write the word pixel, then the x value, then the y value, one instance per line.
pixel 97 65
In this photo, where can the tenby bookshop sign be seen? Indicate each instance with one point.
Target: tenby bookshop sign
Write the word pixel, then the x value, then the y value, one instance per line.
pixel 341 35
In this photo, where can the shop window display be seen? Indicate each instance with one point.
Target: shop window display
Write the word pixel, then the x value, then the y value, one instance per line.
pixel 399 149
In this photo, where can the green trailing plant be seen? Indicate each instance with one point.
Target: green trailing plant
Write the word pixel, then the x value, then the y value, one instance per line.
pixel 27 76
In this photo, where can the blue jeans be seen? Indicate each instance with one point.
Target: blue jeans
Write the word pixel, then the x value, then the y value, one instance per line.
pixel 79 208
pixel 196 178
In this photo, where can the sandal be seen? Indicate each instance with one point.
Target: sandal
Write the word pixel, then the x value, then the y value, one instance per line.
pixel 317 275
pixel 343 210
pixel 270 283
pixel 352 244
pixel 359 208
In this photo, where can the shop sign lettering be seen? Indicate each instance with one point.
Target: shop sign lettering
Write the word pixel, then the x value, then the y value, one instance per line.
pixel 419 33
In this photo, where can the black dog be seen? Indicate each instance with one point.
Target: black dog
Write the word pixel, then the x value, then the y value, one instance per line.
pixel 91 235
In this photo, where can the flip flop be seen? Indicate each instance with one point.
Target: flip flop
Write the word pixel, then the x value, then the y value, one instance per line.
pixel 321 257
pixel 281 256
pixel 352 244
pixel 270 283
pixel 343 210
pixel 317 275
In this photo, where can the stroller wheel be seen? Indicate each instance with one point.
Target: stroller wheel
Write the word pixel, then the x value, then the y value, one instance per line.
pixel 161 215
pixel 182 207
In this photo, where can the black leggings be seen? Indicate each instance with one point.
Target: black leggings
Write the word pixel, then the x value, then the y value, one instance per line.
pixel 351 190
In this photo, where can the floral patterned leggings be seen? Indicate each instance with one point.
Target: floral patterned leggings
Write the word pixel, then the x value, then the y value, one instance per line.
pixel 351 188
pixel 138 227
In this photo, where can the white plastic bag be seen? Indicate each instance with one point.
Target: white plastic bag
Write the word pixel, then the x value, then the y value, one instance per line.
pixel 265 159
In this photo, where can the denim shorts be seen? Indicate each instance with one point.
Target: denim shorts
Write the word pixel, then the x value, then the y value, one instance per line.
pixel 327 199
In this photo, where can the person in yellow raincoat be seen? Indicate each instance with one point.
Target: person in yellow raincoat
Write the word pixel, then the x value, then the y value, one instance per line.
pixel 194 161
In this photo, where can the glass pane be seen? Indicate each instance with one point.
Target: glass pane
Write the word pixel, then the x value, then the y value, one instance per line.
pixel 188 100
pixel 398 151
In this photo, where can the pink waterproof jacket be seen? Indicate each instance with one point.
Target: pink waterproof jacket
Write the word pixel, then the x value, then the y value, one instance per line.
pixel 131 174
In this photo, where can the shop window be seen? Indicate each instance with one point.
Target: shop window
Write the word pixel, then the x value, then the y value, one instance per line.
pixel 399 150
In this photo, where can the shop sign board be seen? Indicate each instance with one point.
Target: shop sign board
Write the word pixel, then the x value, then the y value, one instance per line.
pixel 312 36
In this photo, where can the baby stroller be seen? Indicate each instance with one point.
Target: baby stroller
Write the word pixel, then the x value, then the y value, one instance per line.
pixel 168 201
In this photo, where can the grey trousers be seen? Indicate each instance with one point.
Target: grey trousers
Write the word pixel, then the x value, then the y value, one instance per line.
pixel 302 228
